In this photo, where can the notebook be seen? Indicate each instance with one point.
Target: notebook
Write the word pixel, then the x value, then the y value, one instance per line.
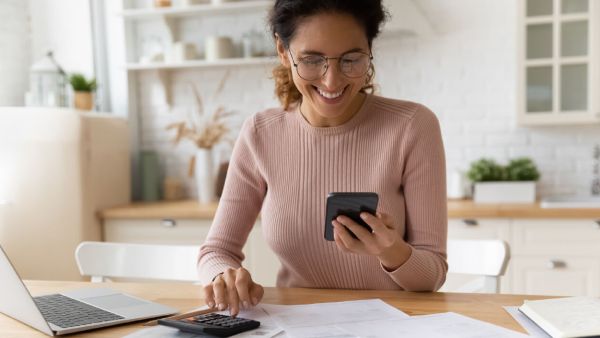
pixel 565 317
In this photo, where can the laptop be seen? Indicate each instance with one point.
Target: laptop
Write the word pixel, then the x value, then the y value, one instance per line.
pixel 70 311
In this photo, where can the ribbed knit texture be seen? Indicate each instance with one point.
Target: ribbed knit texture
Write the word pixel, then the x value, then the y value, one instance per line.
pixel 284 168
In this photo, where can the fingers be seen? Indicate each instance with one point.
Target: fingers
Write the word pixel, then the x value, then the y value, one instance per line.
pixel 361 232
pixel 232 295
pixel 220 293
pixel 242 285
pixel 209 295
pixel 342 232
pixel 256 293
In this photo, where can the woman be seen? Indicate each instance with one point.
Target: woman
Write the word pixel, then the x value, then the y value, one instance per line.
pixel 329 136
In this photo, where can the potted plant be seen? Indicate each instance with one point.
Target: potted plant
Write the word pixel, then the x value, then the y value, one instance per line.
pixel 83 89
pixel 513 183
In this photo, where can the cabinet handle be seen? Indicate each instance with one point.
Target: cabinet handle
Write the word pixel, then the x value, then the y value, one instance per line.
pixel 556 264
pixel 168 222
pixel 470 222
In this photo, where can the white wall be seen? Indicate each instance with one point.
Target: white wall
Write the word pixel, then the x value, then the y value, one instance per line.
pixel 63 26
pixel 466 74
pixel 15 52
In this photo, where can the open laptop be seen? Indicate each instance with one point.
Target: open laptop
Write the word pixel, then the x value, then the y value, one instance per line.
pixel 71 311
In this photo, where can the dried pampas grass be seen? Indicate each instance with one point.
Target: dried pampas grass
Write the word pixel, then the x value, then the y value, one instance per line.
pixel 204 130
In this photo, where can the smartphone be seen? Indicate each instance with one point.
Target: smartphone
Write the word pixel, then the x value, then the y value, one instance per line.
pixel 349 204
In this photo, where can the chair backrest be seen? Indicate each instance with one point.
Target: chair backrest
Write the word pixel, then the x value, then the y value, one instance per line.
pixel 105 260
pixel 487 259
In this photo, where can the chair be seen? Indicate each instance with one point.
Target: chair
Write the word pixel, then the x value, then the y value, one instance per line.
pixel 104 260
pixel 486 259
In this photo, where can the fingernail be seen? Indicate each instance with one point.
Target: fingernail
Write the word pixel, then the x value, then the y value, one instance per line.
pixel 245 304
pixel 254 301
pixel 363 215
pixel 222 307
pixel 211 304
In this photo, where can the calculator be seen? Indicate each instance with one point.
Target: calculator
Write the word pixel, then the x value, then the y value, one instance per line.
pixel 212 324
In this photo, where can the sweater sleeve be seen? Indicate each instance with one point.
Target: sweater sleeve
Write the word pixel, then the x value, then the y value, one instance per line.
pixel 240 203
pixel 424 187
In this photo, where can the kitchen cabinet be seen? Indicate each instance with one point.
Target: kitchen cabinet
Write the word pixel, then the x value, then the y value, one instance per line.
pixel 558 65
pixel 260 260
pixel 548 256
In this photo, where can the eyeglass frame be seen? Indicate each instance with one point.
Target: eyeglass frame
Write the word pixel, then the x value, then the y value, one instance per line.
pixel 327 58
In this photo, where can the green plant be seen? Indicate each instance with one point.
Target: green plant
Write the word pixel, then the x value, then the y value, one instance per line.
pixel 81 84
pixel 522 169
pixel 486 170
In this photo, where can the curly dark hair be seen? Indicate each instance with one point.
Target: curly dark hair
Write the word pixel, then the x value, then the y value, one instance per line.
pixel 285 16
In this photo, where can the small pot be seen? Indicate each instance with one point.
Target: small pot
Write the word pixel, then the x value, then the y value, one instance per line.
pixel 84 100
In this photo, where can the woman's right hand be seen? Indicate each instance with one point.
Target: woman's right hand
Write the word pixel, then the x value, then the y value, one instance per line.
pixel 233 289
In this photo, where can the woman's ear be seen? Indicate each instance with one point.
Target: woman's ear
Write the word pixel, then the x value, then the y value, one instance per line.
pixel 282 52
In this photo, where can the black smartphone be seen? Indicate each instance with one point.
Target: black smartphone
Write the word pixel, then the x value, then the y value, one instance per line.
pixel 349 204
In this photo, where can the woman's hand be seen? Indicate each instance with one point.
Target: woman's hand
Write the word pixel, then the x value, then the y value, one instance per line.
pixel 384 242
pixel 233 289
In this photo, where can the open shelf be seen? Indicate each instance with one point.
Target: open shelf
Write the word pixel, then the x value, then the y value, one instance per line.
pixel 196 10
pixel 265 60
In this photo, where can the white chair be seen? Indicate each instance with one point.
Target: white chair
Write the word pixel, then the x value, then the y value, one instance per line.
pixel 105 260
pixel 486 259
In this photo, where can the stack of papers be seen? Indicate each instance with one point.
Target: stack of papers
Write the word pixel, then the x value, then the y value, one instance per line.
pixel 371 318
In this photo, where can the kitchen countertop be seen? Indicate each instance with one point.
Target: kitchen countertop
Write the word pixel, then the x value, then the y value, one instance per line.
pixel 191 209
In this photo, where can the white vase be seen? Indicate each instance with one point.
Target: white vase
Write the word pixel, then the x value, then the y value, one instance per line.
pixel 505 192
pixel 205 176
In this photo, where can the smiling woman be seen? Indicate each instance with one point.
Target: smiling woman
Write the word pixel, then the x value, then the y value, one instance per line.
pixel 331 135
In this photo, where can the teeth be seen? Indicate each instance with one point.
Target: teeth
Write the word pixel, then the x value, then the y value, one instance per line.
pixel 330 95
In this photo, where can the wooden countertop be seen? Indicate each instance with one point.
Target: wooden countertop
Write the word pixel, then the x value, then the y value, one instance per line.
pixel 191 209
pixel 183 296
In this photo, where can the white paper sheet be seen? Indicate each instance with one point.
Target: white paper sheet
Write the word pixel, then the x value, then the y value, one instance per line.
pixel 441 325
pixel 526 323
pixel 327 314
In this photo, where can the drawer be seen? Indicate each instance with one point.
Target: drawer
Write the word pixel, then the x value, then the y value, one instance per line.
pixel 157 231
pixel 551 236
pixel 556 275
pixel 479 228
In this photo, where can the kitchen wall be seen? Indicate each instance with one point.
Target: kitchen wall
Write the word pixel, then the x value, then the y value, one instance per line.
pixel 28 29
pixel 466 73
pixel 15 47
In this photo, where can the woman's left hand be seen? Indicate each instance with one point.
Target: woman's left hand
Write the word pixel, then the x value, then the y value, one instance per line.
pixel 384 242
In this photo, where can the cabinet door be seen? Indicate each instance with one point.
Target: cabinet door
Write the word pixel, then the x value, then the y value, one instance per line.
pixel 556 275
pixel 558 70
pixel 157 231
pixel 479 229
pixel 556 236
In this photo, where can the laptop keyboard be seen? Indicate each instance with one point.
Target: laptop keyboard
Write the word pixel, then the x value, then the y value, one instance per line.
pixel 67 312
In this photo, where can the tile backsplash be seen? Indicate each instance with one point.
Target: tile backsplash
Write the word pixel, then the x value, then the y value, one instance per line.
pixel 466 73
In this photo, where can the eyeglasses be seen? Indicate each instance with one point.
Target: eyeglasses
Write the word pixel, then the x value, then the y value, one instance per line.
pixel 313 67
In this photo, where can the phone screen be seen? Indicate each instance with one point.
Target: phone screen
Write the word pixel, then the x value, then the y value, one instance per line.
pixel 349 204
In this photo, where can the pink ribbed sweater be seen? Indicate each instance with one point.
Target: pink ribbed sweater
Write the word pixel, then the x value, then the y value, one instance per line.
pixel 284 168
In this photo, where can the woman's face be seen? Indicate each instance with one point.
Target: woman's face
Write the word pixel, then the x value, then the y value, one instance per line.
pixel 330 99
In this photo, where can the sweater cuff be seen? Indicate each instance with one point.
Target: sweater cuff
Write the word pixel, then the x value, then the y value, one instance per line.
pixel 209 269
pixel 418 273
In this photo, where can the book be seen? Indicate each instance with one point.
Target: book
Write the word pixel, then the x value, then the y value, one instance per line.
pixel 565 317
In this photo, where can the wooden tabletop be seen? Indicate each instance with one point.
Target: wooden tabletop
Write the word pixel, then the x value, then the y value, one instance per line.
pixel 484 307
pixel 191 209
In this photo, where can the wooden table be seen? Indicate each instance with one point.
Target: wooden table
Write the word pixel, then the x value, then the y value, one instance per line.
pixel 186 296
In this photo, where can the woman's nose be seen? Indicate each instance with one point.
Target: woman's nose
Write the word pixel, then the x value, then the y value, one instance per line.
pixel 333 76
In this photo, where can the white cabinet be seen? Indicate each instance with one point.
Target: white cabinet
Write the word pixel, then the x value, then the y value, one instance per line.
pixel 260 260
pixel 548 256
pixel 558 62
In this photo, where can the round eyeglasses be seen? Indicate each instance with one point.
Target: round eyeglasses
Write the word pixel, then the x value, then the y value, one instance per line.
pixel 351 64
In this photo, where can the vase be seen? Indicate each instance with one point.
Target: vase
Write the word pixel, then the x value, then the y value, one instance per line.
pixel 504 192
pixel 205 176
pixel 83 100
